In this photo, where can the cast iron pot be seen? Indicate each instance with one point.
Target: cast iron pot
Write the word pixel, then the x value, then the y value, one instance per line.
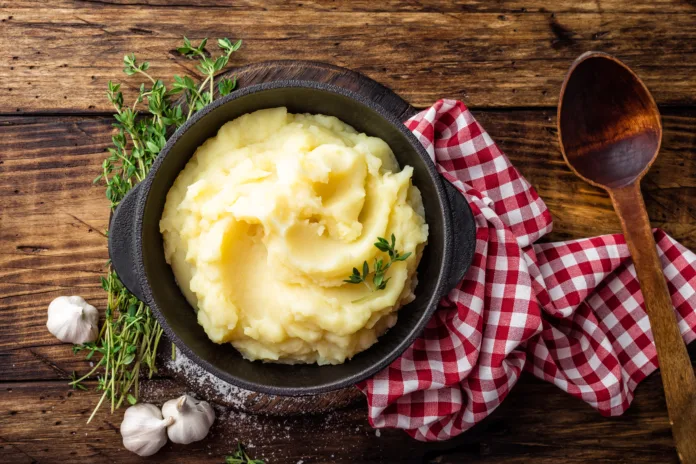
pixel 137 253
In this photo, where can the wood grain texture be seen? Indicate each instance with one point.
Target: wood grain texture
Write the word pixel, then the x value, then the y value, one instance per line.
pixel 395 6
pixel 45 422
pixel 270 71
pixel 58 57
pixel 505 59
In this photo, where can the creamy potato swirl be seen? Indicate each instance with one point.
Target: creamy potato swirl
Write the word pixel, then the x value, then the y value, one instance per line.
pixel 270 216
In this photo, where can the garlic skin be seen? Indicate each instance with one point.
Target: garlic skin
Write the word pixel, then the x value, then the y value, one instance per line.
pixel 143 429
pixel 72 320
pixel 192 419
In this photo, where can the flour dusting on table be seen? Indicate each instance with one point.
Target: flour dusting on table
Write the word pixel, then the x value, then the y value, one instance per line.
pixel 197 376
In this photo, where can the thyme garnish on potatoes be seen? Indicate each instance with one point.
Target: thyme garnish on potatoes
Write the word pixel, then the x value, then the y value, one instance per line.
pixel 380 268
pixel 130 335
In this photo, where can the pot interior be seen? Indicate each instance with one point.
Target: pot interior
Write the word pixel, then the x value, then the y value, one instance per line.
pixel 179 318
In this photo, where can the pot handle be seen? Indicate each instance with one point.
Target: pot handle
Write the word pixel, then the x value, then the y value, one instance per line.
pixel 463 234
pixel 122 242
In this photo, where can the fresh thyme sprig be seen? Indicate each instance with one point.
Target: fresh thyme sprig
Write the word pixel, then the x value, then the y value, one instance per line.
pixel 127 340
pixel 130 335
pixel 380 268
pixel 240 457
pixel 196 96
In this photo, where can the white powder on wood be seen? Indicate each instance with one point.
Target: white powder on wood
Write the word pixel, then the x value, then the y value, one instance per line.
pixel 207 382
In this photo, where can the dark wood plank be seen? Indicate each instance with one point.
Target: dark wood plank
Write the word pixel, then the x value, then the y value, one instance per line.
pixel 401 6
pixel 277 70
pixel 45 422
pixel 60 57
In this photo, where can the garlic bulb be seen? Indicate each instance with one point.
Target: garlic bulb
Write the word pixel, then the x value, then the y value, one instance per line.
pixel 143 429
pixel 192 419
pixel 71 319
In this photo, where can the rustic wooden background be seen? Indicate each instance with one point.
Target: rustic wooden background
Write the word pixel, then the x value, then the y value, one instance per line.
pixel 506 59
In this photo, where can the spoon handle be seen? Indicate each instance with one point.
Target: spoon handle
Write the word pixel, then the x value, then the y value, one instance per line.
pixel 675 366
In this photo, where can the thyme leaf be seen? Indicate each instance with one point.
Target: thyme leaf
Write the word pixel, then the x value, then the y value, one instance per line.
pixel 379 282
pixel 241 457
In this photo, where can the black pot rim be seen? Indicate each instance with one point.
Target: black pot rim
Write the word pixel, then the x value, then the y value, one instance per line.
pixel 388 357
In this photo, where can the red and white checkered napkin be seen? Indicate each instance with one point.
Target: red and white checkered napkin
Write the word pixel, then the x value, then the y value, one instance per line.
pixel 568 312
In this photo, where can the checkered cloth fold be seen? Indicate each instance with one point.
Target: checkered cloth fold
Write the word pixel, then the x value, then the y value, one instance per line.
pixel 568 312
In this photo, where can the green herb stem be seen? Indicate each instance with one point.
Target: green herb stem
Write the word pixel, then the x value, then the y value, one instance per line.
pixel 241 457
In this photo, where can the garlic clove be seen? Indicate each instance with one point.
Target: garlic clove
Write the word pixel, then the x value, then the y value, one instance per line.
pixel 143 429
pixel 72 320
pixel 192 419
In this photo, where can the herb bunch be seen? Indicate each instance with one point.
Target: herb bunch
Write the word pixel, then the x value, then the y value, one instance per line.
pixel 130 335
pixel 380 267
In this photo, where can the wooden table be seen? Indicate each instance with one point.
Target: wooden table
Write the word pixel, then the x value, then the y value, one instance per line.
pixel 506 60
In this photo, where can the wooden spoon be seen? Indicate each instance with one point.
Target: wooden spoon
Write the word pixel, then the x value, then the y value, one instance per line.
pixel 609 130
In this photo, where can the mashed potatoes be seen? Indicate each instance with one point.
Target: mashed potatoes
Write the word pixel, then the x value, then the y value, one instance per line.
pixel 270 217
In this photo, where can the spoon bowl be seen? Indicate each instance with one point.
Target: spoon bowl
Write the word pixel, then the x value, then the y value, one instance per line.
pixel 609 132
pixel 609 125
